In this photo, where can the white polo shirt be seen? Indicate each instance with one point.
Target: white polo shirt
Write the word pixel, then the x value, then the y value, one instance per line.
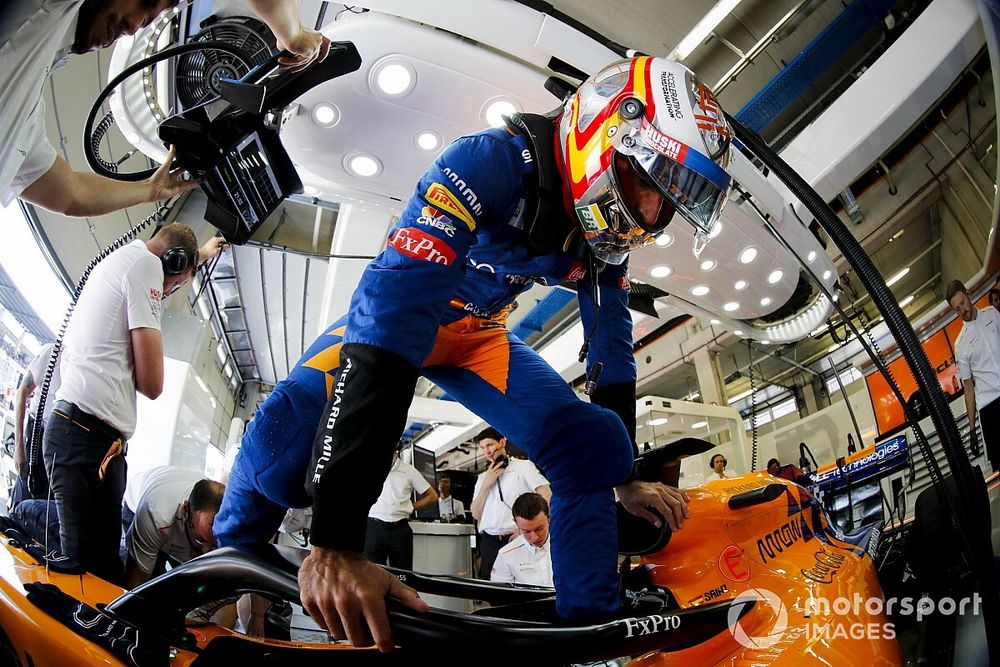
pixel 977 355
pixel 34 36
pixel 159 518
pixel 123 293
pixel 521 563
pixel 450 507
pixel 37 369
pixel 518 477
pixel 395 503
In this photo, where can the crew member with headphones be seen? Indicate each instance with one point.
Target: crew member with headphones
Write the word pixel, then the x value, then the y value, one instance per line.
pixel 718 464
pixel 112 349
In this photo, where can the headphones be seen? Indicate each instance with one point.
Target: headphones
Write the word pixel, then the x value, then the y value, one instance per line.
pixel 724 461
pixel 178 260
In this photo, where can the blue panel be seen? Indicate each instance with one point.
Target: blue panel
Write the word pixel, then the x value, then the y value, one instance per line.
pixel 542 312
pixel 813 62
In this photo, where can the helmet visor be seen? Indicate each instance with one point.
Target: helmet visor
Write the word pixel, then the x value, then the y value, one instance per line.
pixel 697 186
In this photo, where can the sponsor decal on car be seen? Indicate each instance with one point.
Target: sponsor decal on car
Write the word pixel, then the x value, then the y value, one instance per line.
pixel 591 219
pixel 733 564
pixel 441 197
pixel 648 625
pixel 711 594
pixel 431 217
pixel 825 568
pixel 421 245
pixel 779 539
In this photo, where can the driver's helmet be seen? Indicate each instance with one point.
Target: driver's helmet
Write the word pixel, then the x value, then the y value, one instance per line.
pixel 671 133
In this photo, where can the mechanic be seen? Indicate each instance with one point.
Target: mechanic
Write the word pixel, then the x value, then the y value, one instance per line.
pixel 389 538
pixel 450 508
pixel 506 478
pixel 977 355
pixel 33 377
pixel 559 199
pixel 37 35
pixel 789 471
pixel 112 349
pixel 173 521
pixel 526 560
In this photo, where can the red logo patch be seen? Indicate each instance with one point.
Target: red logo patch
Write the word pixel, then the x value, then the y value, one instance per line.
pixel 733 564
pixel 663 144
pixel 576 272
pixel 624 284
pixel 420 245
pixel 155 294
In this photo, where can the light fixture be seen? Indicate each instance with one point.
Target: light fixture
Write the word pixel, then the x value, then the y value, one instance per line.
pixel 775 276
pixel 708 265
pixel 811 257
pixel 714 321
pixel 495 109
pixel 766 301
pixel 832 347
pixel 702 29
pixel 427 140
pixel 907 301
pixel 363 164
pixel 731 306
pixel 716 229
pixel 740 285
pixel 392 78
pixel 310 190
pixel 659 421
pixel 700 290
pixel 748 255
pixel 325 114
pixel 664 240
pixel 827 274
pixel 701 424
pixel 660 271
pixel 898 276
pixel 765 342
pixel 737 332
pixel 740 396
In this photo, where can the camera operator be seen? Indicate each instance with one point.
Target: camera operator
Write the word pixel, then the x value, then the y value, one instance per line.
pixel 496 490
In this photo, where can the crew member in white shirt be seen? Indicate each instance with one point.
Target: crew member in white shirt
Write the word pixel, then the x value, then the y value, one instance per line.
pixel 173 520
pixel 496 489
pixel 718 464
pixel 977 355
pixel 526 560
pixel 450 508
pixel 33 377
pixel 112 350
pixel 389 539
pixel 35 37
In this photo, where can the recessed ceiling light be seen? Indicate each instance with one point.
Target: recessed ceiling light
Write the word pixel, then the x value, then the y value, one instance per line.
pixel 659 421
pixel 740 285
pixel 765 342
pixel 826 274
pixel 701 424
pixel 775 276
pixel 326 114
pixel 899 275
pixel 714 321
pixel 310 190
pixel 748 255
pixel 700 290
pixel 661 271
pixel 428 140
pixel 812 256
pixel 731 306
pixel 907 301
pixel 737 332
pixel 664 240
pixel 766 301
pixel 364 165
pixel 495 109
pixel 708 265
pixel 393 79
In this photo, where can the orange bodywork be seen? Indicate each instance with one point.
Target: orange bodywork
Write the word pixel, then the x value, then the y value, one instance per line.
pixel 785 547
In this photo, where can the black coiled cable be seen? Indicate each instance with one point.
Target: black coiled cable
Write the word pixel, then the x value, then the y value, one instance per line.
pixel 753 410
pixel 95 141
pixel 34 446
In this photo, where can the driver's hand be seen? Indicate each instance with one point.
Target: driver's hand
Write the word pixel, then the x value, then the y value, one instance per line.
pixel 307 46
pixel 639 497
pixel 345 594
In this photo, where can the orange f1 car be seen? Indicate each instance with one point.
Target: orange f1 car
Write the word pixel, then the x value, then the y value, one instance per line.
pixel 748 580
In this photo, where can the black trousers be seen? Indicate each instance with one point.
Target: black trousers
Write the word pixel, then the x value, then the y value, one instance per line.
pixel 989 427
pixel 389 543
pixel 489 547
pixel 90 515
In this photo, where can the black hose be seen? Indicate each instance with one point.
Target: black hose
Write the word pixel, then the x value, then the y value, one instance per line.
pixel 965 507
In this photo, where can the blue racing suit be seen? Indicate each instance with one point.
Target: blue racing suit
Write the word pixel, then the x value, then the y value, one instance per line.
pixel 434 302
